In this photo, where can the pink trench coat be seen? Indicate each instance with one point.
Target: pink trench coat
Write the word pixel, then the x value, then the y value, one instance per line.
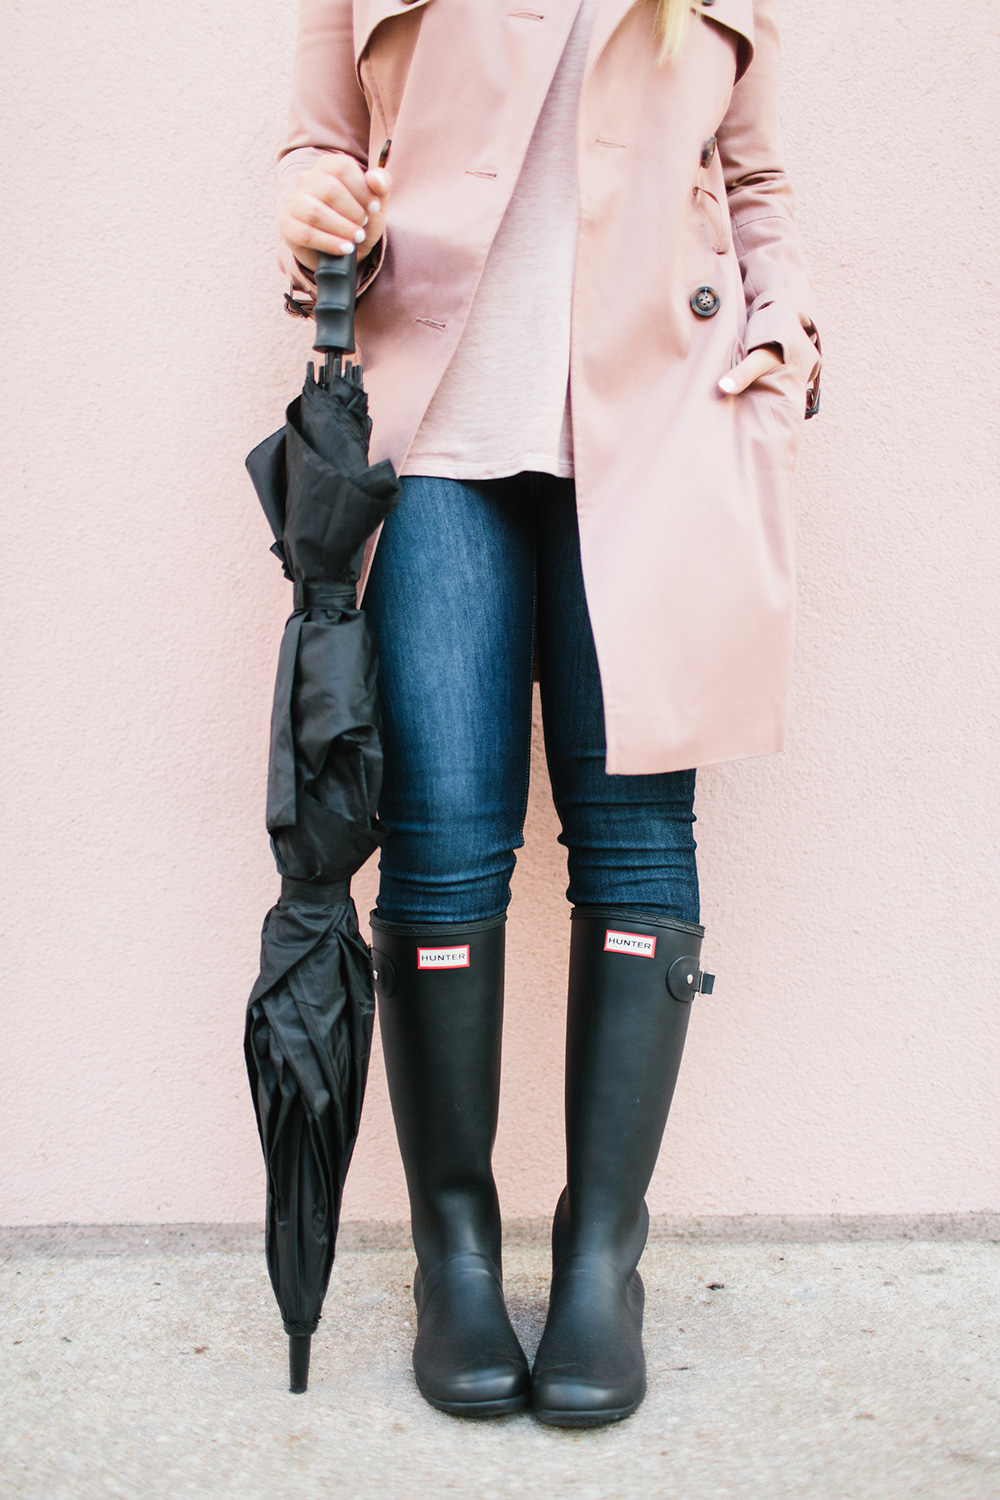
pixel 684 496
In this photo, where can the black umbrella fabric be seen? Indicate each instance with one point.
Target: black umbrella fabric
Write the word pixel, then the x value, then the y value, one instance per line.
pixel 310 1013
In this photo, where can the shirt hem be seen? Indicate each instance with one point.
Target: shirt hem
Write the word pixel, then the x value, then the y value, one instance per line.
pixel 435 466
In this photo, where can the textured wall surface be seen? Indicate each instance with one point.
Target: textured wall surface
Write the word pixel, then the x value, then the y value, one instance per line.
pixel 849 1060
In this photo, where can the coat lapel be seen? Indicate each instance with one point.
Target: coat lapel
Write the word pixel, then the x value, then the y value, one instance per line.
pixel 368 14
pixel 736 15
pixel 610 14
pixel 476 82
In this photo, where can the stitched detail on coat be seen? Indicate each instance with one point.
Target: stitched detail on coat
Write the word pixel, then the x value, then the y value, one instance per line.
pixel 479 172
pixel 761 218
pixel 430 323
pixel 526 15
pixel 602 140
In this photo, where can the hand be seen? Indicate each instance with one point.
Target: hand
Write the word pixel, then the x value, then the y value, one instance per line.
pixel 757 363
pixel 334 207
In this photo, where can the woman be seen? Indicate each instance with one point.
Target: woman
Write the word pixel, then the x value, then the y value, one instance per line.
pixel 589 348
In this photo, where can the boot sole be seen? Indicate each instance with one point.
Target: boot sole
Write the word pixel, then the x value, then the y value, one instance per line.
pixel 584 1418
pixel 476 1409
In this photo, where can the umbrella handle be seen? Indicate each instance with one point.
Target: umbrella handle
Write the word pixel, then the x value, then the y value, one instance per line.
pixel 336 294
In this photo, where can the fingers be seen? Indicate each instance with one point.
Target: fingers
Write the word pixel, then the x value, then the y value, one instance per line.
pixel 343 169
pixel 308 225
pixel 333 208
pixel 377 183
pixel 757 363
pixel 321 213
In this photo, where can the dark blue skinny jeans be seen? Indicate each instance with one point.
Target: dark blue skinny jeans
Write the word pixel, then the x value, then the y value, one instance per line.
pixel 469 579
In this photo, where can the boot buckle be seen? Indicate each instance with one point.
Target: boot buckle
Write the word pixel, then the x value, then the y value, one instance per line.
pixel 685 979
pixel 383 974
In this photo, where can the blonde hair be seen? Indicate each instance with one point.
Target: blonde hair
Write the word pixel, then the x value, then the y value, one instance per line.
pixel 672 18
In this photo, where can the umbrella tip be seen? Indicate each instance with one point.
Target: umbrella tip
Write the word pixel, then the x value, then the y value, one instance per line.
pixel 299 1345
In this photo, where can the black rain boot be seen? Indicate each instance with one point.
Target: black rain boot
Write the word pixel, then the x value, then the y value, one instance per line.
pixel 440 1006
pixel 632 977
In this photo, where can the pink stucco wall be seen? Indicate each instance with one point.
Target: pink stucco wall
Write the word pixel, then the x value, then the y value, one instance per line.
pixel 849 1061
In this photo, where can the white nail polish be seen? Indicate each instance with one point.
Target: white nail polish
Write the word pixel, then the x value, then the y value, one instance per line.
pixel 728 385
pixel 346 246
pixel 359 235
pixel 374 206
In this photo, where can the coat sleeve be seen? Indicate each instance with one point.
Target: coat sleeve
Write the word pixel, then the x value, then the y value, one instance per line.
pixel 329 113
pixel 776 281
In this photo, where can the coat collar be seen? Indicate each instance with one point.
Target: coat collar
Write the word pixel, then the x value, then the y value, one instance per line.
pixel 737 15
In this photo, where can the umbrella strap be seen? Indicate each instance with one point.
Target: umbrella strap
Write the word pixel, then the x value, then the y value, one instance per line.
pixel 312 893
pixel 309 595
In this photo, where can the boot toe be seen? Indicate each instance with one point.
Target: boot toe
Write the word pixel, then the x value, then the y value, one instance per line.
pixel 564 1398
pixel 590 1367
pixel 478 1391
pixel 466 1358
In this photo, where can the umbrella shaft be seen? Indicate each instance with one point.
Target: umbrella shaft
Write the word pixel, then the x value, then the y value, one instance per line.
pixel 335 364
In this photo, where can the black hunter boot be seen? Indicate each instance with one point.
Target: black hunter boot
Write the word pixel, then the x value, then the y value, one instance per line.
pixel 440 1006
pixel 632 978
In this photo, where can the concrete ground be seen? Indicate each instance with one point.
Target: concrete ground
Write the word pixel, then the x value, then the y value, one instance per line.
pixel 833 1371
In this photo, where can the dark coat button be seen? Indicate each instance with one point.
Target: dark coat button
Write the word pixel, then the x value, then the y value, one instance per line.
pixel 708 2
pixel 706 301
pixel 708 151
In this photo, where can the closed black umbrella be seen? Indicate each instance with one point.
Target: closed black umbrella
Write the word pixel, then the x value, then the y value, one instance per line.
pixel 309 1016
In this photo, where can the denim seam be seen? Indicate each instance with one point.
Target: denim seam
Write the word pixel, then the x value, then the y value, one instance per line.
pixel 531 685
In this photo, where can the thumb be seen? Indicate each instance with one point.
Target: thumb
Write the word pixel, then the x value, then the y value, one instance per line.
pixel 758 362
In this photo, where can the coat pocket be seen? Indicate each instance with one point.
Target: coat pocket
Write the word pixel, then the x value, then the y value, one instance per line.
pixel 779 400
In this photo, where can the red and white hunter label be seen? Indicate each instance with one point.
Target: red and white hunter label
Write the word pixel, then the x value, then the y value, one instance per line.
pixel 636 943
pixel 443 958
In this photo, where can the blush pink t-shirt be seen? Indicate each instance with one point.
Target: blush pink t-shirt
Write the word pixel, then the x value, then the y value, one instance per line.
pixel 503 403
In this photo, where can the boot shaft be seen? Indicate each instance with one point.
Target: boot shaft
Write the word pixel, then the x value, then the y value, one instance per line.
pixel 440 1005
pixel 632 978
